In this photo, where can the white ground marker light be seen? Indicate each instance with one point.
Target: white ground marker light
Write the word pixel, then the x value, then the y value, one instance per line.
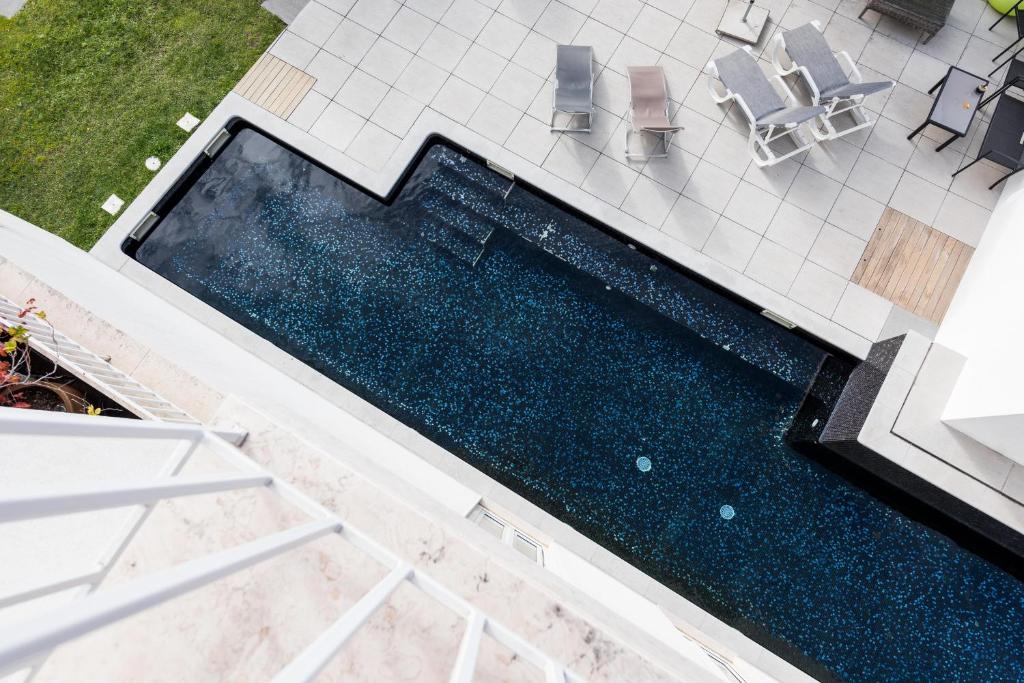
pixel 188 122
pixel 153 163
pixel 113 204
pixel 727 512
pixel 643 463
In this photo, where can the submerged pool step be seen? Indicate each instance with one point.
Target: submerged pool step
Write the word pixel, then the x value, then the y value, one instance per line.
pixel 451 239
pixel 480 200
pixel 483 176
pixel 444 208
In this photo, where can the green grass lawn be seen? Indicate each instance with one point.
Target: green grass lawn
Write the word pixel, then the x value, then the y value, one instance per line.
pixel 90 88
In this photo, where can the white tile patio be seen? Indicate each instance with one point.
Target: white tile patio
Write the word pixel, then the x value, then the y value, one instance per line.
pixel 798 229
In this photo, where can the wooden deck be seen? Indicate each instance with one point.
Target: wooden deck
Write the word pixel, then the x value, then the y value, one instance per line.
pixel 275 85
pixel 913 265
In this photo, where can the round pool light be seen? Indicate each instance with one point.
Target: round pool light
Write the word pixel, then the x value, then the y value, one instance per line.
pixel 643 463
pixel 727 512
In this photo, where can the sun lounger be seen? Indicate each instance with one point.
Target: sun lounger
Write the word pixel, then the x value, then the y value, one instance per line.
pixel 736 77
pixel 648 112
pixel 806 51
pixel 574 87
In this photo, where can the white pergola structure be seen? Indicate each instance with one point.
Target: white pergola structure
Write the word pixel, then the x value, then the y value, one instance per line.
pixel 26 645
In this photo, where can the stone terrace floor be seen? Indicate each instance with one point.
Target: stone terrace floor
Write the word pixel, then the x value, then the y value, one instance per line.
pixel 799 228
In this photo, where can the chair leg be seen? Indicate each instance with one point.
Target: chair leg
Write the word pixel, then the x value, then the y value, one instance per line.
pixel 1014 171
pixel 1005 14
pixel 1006 61
pixel 1007 48
pixel 964 168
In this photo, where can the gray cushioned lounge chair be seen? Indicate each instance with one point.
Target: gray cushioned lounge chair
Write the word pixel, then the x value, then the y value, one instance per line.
pixel 804 50
pixel 574 87
pixel 648 112
pixel 737 77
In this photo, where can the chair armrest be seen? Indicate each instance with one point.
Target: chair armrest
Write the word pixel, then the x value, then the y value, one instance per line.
pixel 779 52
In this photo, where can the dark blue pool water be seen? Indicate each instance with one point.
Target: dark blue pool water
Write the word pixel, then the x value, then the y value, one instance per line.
pixel 552 356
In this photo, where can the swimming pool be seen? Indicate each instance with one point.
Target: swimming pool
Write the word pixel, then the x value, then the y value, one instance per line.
pixel 554 357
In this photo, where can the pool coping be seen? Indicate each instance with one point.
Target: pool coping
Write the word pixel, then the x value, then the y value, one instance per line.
pixel 686 614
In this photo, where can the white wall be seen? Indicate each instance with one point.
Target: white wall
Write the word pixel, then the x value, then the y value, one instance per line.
pixel 985 324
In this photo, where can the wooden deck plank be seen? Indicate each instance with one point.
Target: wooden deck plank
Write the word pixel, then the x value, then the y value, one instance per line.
pixel 269 71
pixel 252 73
pixel 912 264
pixel 275 85
pixel 887 240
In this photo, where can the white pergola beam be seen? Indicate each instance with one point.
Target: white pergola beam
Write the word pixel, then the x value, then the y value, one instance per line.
pixel 87 498
pixel 465 661
pixel 24 643
pixel 87 578
pixel 314 658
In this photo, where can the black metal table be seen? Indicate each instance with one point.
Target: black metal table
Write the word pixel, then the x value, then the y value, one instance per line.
pixel 956 104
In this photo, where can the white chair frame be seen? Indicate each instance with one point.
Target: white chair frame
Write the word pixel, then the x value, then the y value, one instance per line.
pixel 664 136
pixel 760 138
pixel 825 130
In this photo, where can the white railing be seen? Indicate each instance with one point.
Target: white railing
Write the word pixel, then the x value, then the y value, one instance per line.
pixel 91 369
pixel 27 644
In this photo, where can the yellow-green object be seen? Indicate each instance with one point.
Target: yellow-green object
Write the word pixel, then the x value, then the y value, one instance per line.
pixel 1002 5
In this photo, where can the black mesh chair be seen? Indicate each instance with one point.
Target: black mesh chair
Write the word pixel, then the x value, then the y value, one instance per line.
pixel 1019 16
pixel 1011 10
pixel 1004 139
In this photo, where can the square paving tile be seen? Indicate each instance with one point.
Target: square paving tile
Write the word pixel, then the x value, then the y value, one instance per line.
pixel 862 311
pixel 813 192
pixel 373 14
pixel 874 177
pixel 856 213
pixel 918 198
pixel 330 72
pixel 619 14
pixel 752 207
pixel 494 119
pixel 362 92
pixel 531 140
pixel 444 47
pixel 570 160
pixel 502 35
pixel 610 180
pixel 604 39
pixel 397 112
pixel 559 22
pixel 315 23
pixel 457 99
pixel 481 67
pixel 350 41
pixel 467 17
pixel 337 126
pixel 774 266
pixel 817 288
pixel 409 29
pixel 794 228
pixel 732 244
pixel 837 250
pixel 711 186
pixel 385 60
pixel 690 222
pixel 649 201
pixel 654 28
pixel 421 80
